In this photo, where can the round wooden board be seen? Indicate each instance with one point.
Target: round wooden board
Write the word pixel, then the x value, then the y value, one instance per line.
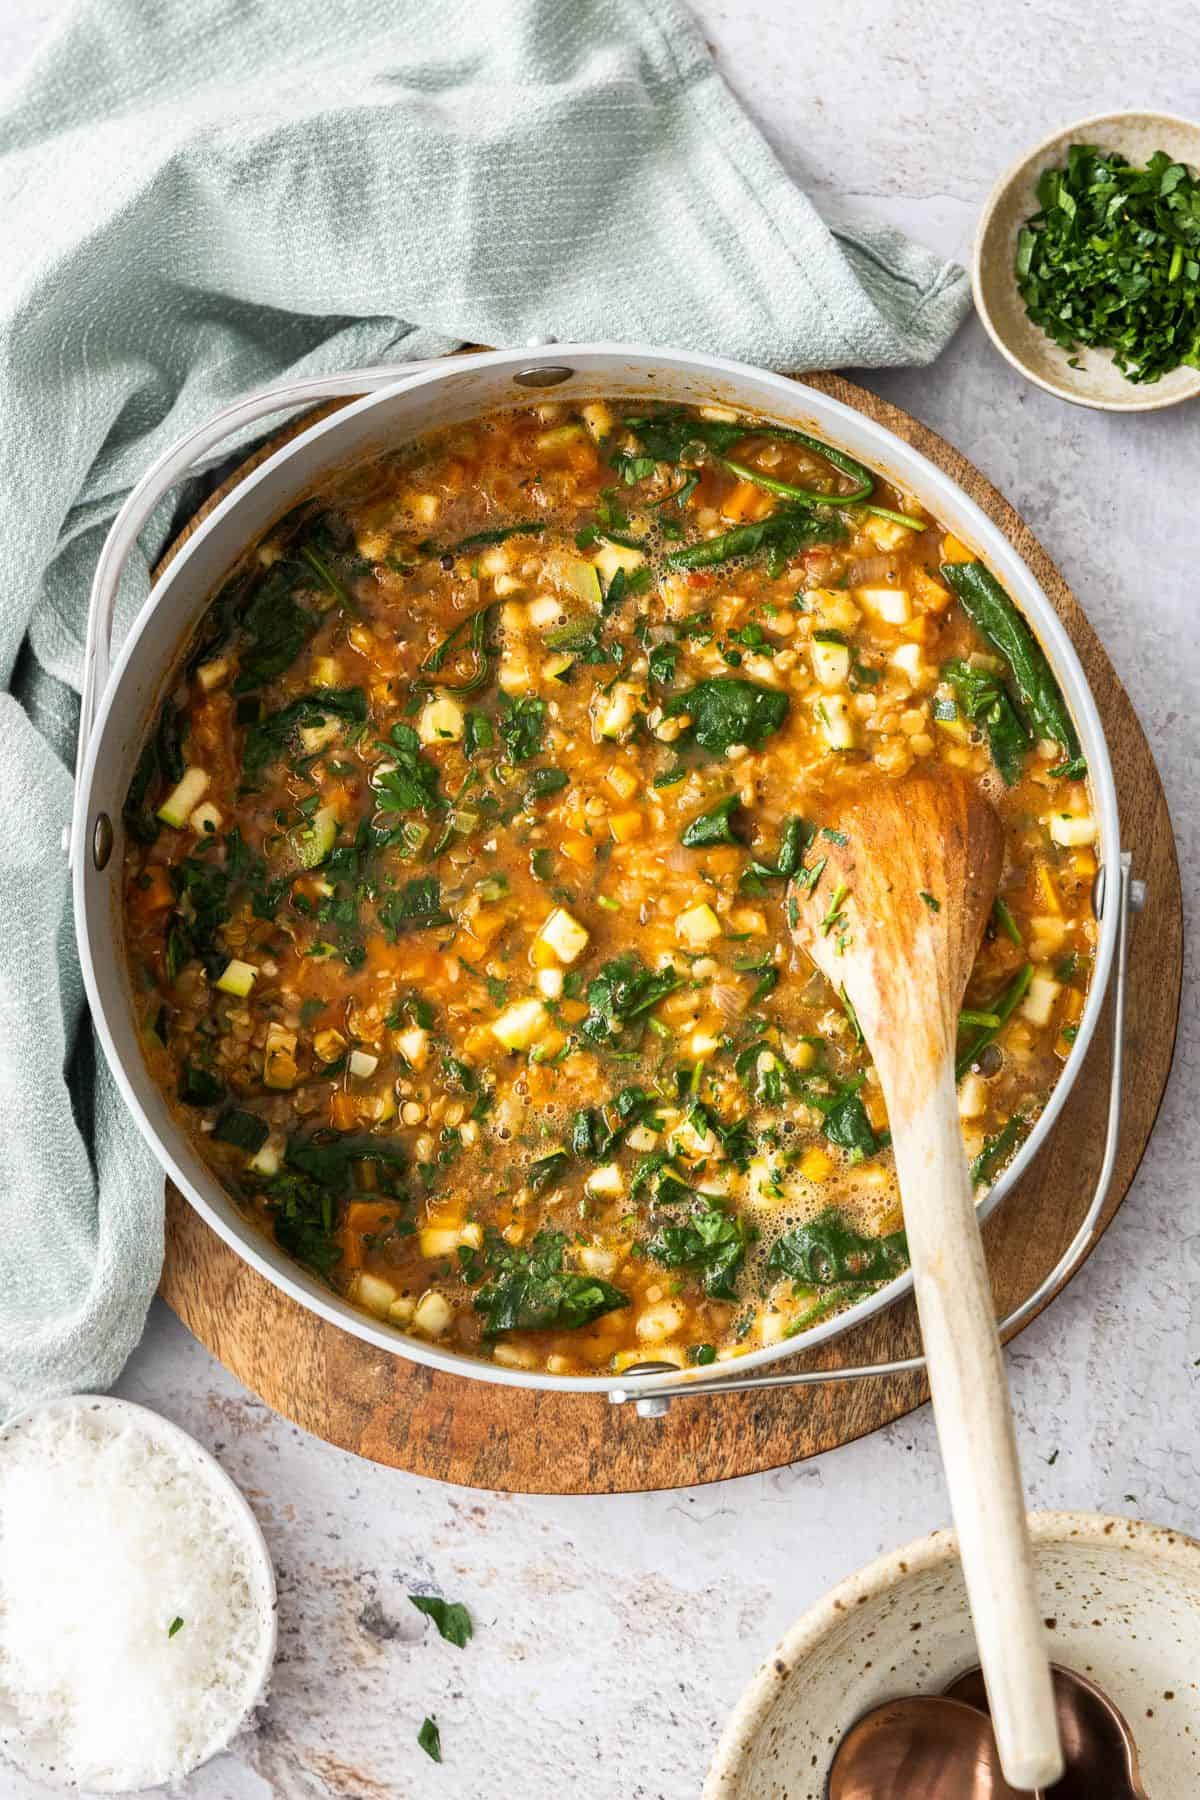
pixel 479 1435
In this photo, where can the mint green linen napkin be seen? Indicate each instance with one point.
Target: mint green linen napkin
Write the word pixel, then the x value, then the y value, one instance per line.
pixel 198 199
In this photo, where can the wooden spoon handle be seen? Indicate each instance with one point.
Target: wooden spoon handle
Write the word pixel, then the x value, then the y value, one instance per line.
pixel 974 1422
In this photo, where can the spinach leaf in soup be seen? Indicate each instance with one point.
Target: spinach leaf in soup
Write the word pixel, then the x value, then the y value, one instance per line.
pixel 414 907
pixel 274 733
pixel 716 826
pixel 711 1245
pixel 275 627
pixel 985 701
pixel 407 781
pixel 989 609
pixel 522 724
pixel 530 1290
pixel 827 1251
pixel 728 710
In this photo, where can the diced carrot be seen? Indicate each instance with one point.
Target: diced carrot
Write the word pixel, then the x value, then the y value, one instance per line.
pixel 955 551
pixel 1049 887
pixel 352 1250
pixel 155 891
pixel 1072 1006
pixel 573 1010
pixel 929 593
pixel 722 861
pixel 816 1164
pixel 343 1112
pixel 745 501
pixel 625 826
pixel 370 1215
pixel 1083 862
pixel 487 923
pixel 578 849
pixel 875 1109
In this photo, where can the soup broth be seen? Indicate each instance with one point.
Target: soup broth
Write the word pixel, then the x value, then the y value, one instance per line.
pixel 458 866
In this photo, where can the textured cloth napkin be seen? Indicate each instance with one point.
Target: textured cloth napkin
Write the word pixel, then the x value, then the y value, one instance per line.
pixel 199 198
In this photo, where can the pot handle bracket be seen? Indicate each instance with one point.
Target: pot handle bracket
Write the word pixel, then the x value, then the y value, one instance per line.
pixel 176 463
pixel 652 1403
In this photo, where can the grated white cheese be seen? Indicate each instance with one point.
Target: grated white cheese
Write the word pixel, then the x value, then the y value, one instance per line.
pixel 109 1533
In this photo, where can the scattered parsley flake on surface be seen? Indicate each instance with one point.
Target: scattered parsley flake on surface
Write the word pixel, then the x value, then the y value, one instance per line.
pixel 450 1616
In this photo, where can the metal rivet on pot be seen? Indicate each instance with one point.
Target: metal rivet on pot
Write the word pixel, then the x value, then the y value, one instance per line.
pixel 102 840
pixel 544 375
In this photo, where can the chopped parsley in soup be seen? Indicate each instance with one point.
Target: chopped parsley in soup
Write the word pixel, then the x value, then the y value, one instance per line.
pixel 459 862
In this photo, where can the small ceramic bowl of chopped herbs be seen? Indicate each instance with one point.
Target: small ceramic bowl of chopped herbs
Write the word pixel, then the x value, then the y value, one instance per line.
pixel 1087 262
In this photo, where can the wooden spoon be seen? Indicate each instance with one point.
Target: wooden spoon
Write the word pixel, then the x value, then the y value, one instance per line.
pixel 893 920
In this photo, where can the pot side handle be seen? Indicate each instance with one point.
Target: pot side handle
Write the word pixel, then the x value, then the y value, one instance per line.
pixel 171 467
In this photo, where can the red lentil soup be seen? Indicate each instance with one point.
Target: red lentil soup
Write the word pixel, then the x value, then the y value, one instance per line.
pixel 458 868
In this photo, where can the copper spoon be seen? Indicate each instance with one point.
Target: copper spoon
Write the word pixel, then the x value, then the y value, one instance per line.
pixel 923 1745
pixel 1101 1756
pixel 926 1745
pixel 891 908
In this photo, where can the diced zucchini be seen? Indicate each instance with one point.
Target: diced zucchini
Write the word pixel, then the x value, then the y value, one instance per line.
pixel 556 666
pixel 559 437
pixel 550 983
pixel 205 821
pixel 519 1025
pixel 586 583
pixel 544 610
pixel 1038 1003
pixel 329 1045
pixel 326 672
pixel 972 1097
pixel 833 716
pixel 362 1063
pixel 210 675
pixel 831 663
pixel 615 716
pixel 377 1295
pixel 598 419
pixel 237 978
pixel 594 1259
pixel 279 1057
pixel 313 841
pixel 1073 831
pixel 606 1183
pixel 891 604
pixel 907 658
pixel 887 533
pixel 401 1311
pixel 184 797
pixel 413 1046
pixel 318 737
pixel 268 1160
pixel 611 557
pixel 697 926
pixel 438 1240
pixel 442 721
pixel 564 934
pixel 433 1313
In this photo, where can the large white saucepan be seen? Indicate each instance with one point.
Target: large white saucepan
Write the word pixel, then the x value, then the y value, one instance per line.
pixel 400 404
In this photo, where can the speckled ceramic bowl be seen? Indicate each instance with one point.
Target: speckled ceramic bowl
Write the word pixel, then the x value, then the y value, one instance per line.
pixel 1096 382
pixel 1121 1601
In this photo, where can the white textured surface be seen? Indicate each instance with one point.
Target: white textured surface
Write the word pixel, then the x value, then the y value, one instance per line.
pixel 614 1635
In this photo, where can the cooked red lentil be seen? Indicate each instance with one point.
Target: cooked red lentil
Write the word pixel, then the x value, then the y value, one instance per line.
pixel 458 870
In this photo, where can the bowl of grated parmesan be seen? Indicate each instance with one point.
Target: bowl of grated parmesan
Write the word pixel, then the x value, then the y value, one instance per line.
pixel 137 1598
